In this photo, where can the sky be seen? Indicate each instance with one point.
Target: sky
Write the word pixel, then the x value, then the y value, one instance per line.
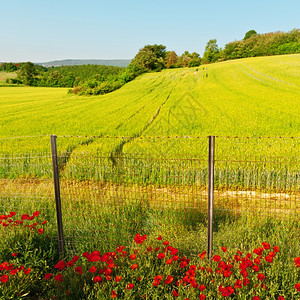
pixel 45 30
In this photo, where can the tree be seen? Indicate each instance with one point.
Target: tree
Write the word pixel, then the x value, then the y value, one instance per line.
pixel 150 58
pixel 249 34
pixel 211 53
pixel 158 50
pixel 171 59
pixel 27 73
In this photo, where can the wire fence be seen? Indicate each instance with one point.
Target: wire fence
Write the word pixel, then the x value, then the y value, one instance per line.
pixel 114 187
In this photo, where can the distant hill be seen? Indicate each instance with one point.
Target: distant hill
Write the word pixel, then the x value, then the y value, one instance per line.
pixel 73 62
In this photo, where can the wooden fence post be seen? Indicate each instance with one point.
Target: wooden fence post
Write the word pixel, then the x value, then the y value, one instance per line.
pixel 211 162
pixel 57 195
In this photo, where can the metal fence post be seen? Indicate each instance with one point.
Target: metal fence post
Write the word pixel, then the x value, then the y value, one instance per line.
pixel 211 162
pixel 57 195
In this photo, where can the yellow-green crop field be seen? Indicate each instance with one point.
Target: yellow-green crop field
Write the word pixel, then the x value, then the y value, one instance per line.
pixel 252 97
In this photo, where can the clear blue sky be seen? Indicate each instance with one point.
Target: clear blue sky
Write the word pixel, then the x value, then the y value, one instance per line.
pixel 44 30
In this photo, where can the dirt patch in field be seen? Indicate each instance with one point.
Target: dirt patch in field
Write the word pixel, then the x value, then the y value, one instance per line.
pixel 187 197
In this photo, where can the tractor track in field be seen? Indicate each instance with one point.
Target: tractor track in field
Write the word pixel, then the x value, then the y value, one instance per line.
pixel 263 75
pixel 119 149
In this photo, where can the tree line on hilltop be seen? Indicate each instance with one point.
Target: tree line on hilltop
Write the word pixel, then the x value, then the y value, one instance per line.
pixel 99 79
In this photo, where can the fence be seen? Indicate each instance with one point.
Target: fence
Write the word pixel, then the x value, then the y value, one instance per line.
pixel 113 187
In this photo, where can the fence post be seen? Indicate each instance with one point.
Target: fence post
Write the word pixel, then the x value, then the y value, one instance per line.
pixel 57 195
pixel 211 162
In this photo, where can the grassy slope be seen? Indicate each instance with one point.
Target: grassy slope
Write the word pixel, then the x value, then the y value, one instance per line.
pixel 246 97
pixel 254 96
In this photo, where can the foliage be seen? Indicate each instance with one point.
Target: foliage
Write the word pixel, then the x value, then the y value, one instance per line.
pixel 150 58
pixel 8 67
pixel 274 43
pixel 249 34
pixel 171 59
pixel 27 73
pixel 211 53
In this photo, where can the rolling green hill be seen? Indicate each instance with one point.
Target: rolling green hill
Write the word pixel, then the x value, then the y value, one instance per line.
pixel 247 97
pixel 254 96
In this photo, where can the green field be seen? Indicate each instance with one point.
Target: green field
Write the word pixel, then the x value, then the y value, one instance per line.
pixel 253 97
pixel 135 161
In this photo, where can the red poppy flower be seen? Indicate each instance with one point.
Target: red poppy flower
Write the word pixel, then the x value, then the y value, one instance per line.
pixel 161 255
pixel 261 276
pixel 78 270
pixel 13 271
pixel 24 217
pixel 48 276
pixel 202 287
pixel 4 278
pixel 93 269
pixel 166 243
pixel 175 294
pixel 246 281
pixel 257 261
pixel 108 271
pixel 132 256
pixel 174 251
pixel 14 254
pixel 140 239
pixel 216 258
pixel 43 223
pixel 202 296
pixel 130 286
pixel 297 262
pixel 281 298
pixel 120 248
pixel 238 284
pixel 149 249
pixel 60 265
pixel 269 259
pixel 58 277
pixel 97 279
pixel 93 257
pixel 41 230
pixel 255 298
pixel 202 255
pixel 226 292
pixel 276 249
pixel 297 287
pixel 134 266
pixel 169 279
pixel 255 268
pixel 36 213
pixel 159 238
pixel 224 249
pixel 113 294
pixel 272 254
pixel 27 271
pixel 266 245
pixel 183 264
